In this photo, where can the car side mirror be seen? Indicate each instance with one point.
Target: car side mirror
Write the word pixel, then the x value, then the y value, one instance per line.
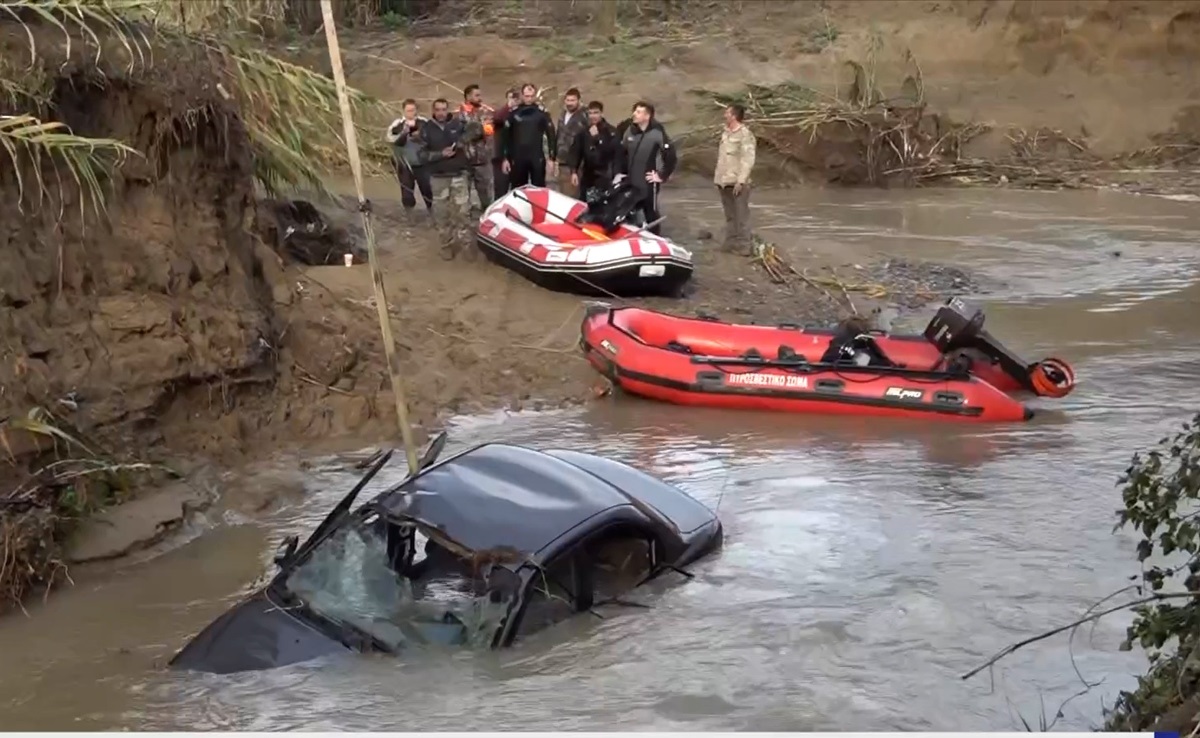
pixel 286 550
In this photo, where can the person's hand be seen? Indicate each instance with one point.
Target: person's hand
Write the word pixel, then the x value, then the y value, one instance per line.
pixel 448 151
pixel 653 178
pixel 617 179
pixel 594 131
pixel 574 180
pixel 737 189
pixel 552 169
pixel 505 166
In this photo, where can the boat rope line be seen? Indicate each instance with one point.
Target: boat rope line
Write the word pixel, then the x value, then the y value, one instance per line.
pixel 808 368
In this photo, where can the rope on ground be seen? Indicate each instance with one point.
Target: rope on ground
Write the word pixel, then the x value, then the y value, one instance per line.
pixel 524 346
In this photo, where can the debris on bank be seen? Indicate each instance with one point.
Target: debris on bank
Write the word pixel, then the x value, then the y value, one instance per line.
pixel 903 282
pixel 865 138
pixel 54 481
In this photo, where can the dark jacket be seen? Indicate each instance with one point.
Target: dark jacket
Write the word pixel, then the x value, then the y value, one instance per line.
pixel 597 154
pixel 567 131
pixel 437 136
pixel 521 135
pixel 498 119
pixel 646 151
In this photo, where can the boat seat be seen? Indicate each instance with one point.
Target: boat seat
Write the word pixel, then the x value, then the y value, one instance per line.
pixel 787 353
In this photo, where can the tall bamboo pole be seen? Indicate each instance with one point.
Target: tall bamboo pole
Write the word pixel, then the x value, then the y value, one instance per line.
pixel 381 303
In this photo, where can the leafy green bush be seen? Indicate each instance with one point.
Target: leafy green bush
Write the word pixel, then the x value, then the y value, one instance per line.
pixel 1161 494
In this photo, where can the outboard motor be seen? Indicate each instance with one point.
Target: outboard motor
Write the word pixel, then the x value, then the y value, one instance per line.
pixel 610 208
pixel 958 333
pixel 955 326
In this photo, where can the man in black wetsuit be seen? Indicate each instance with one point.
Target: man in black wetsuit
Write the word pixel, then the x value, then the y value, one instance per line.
pixel 646 159
pixel 524 159
pixel 593 153
pixel 499 178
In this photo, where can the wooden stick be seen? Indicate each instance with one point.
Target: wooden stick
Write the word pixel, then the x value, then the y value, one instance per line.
pixel 381 304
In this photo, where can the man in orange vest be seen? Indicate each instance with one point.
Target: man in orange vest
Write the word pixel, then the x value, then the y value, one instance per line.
pixel 479 150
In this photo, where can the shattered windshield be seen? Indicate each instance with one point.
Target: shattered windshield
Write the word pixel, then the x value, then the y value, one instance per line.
pixel 388 580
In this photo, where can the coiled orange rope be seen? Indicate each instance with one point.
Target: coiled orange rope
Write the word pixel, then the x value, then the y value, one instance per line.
pixel 1052 378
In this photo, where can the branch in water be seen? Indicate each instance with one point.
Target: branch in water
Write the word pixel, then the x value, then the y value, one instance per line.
pixel 1075 624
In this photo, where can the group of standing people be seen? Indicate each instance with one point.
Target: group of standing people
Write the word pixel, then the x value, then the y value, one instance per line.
pixel 478 150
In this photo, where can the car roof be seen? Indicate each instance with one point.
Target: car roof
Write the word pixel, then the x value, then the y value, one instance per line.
pixel 497 495
pixel 685 512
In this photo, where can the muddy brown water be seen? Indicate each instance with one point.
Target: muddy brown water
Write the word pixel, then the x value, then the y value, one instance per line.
pixel 867 565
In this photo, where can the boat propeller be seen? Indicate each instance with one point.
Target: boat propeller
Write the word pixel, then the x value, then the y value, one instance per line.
pixel 1052 377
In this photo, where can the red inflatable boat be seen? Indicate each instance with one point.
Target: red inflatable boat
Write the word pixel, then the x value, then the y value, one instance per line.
pixel 955 370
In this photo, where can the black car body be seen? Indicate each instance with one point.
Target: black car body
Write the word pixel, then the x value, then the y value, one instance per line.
pixel 515 540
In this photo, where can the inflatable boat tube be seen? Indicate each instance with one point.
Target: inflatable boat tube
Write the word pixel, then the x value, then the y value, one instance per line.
pixel 537 233
pixel 706 362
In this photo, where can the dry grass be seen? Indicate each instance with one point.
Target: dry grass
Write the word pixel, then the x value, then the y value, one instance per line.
pixel 290 112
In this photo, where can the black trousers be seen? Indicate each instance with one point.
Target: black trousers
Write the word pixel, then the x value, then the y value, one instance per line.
pixel 589 179
pixel 412 180
pixel 649 207
pixel 499 180
pixel 526 171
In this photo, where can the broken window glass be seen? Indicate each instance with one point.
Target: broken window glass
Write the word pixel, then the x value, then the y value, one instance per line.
pixel 353 578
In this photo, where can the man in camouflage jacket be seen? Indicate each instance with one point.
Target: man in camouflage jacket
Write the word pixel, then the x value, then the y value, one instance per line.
pixel 477 143
pixel 573 120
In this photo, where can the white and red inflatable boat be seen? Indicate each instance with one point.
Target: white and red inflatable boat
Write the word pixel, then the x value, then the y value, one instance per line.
pixel 537 233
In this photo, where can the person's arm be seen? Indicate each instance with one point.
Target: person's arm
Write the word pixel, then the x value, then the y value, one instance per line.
pixel 551 136
pixel 669 158
pixel 749 146
pixel 504 140
pixel 575 155
pixel 397 132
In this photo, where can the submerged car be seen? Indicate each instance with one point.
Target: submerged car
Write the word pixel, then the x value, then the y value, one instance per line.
pixel 480 549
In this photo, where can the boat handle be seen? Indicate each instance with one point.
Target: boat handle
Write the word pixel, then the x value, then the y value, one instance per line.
pixel 949 398
pixel 830 385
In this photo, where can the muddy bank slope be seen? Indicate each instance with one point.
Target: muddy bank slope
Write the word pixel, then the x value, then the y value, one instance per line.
pixel 109 322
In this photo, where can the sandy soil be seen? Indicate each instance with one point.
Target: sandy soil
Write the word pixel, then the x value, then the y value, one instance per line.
pixel 176 333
